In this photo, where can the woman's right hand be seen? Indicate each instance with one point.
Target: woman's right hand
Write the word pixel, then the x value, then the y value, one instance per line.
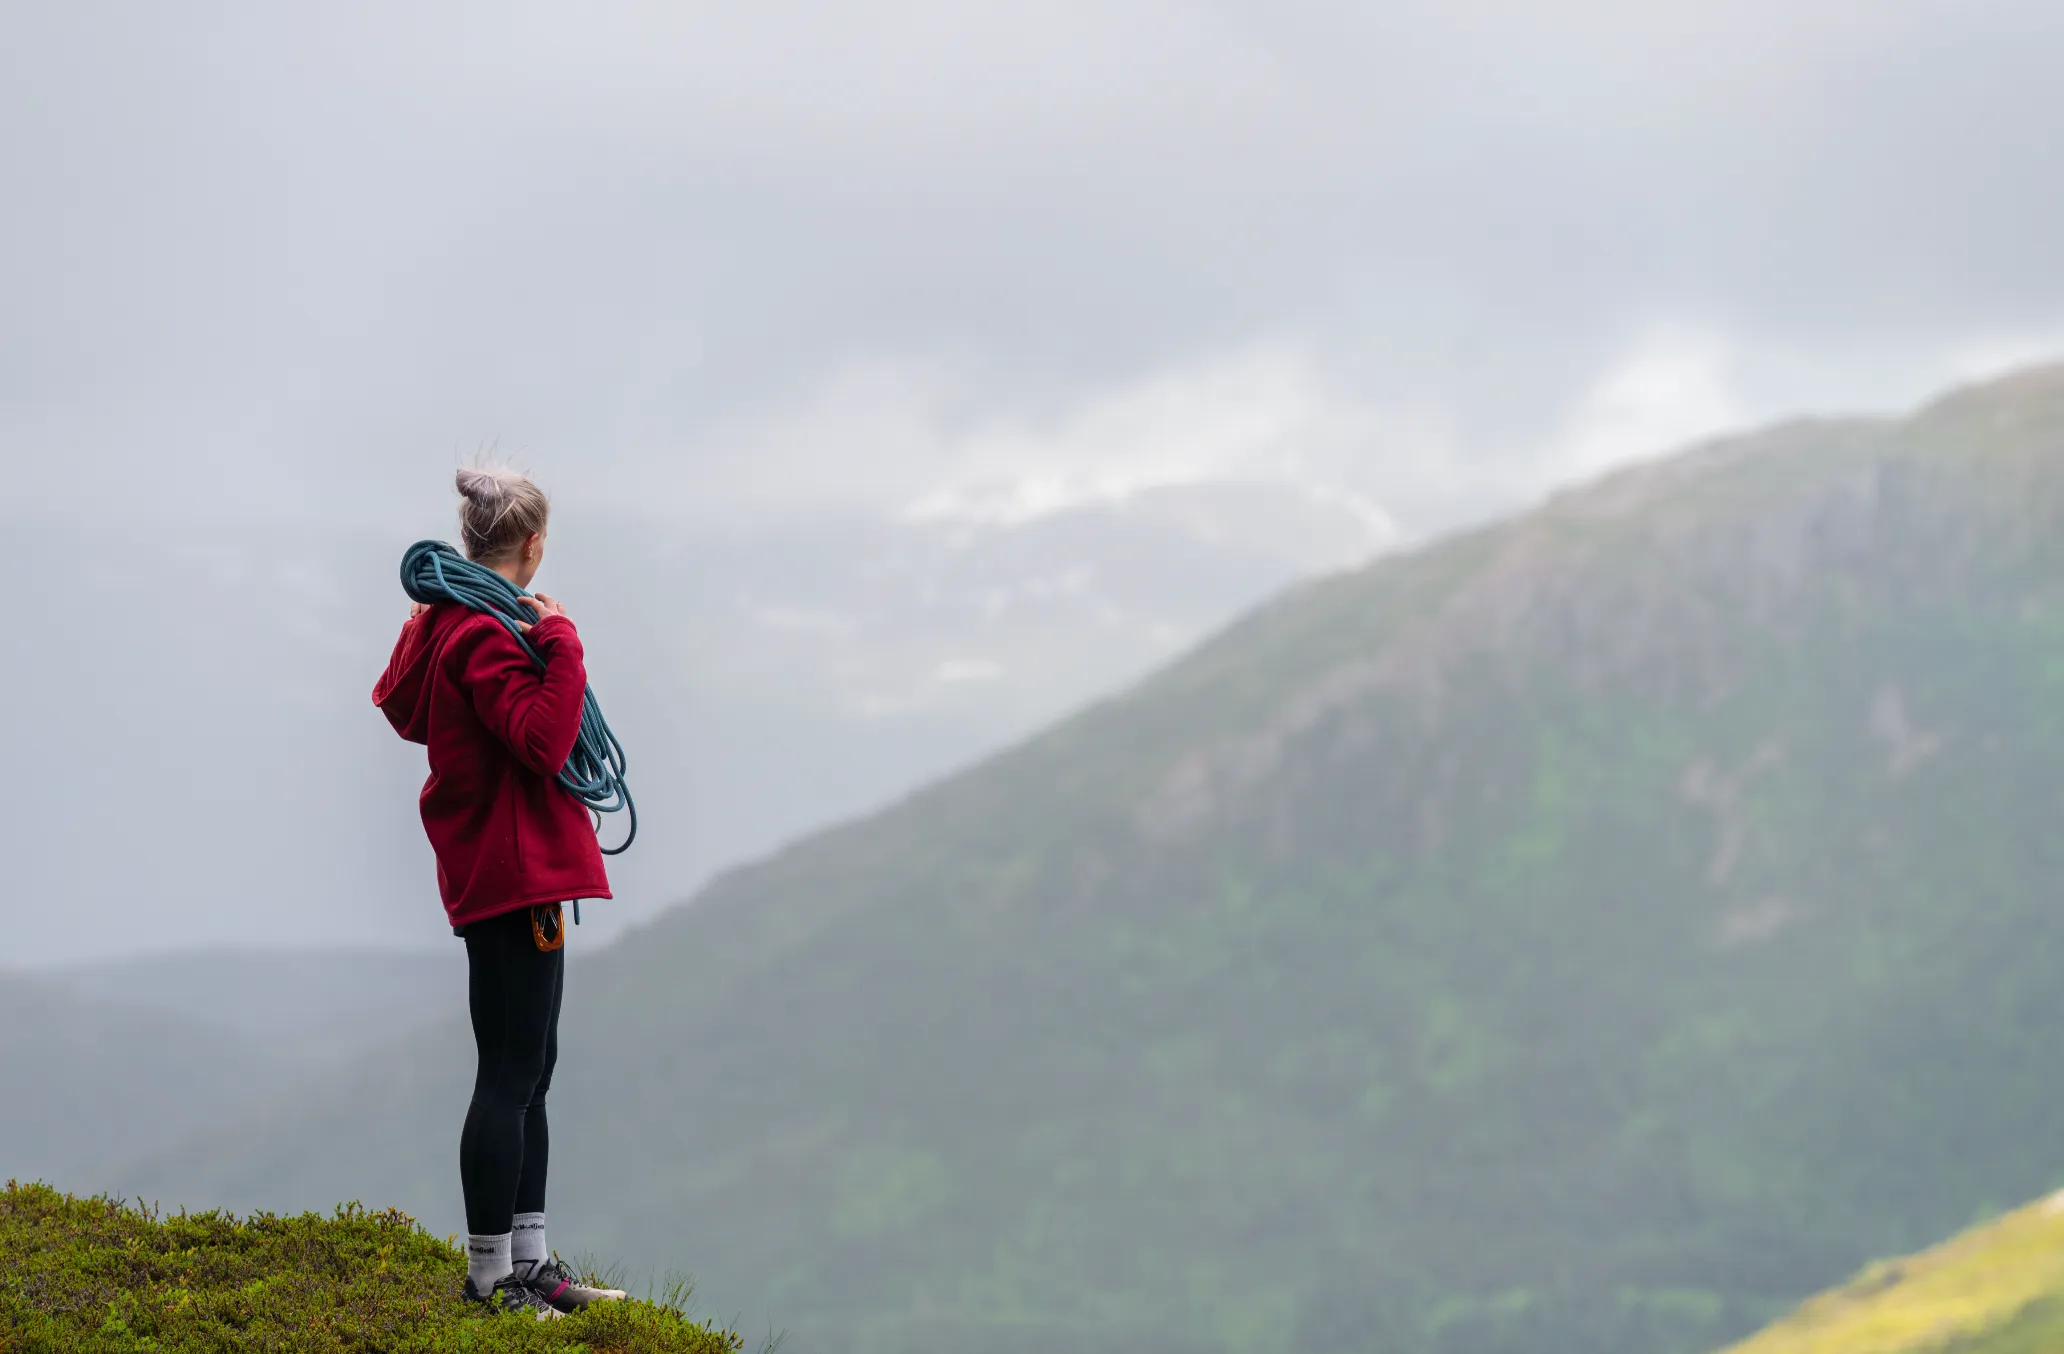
pixel 544 606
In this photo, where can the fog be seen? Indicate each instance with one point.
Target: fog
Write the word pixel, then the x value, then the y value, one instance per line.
pixel 905 376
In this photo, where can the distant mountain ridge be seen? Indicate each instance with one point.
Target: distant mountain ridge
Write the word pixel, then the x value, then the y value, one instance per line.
pixel 303 1004
pixel 91 1084
pixel 1585 935
pixel 109 1062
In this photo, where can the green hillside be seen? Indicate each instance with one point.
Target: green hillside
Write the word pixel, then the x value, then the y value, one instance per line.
pixel 1587 935
pixel 1997 1289
pixel 93 1276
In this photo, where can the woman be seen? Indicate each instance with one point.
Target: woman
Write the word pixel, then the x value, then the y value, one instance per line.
pixel 511 846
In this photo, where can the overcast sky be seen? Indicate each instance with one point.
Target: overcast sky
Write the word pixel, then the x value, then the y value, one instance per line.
pixel 982 260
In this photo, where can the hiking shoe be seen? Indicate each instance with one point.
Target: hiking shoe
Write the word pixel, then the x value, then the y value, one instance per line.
pixel 557 1285
pixel 511 1295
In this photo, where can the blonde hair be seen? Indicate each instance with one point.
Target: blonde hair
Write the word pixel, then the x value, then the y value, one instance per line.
pixel 498 507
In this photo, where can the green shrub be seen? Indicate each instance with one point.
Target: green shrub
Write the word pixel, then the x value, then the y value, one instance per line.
pixel 98 1276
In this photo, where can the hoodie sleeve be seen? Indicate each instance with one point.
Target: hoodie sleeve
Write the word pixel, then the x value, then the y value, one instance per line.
pixel 538 714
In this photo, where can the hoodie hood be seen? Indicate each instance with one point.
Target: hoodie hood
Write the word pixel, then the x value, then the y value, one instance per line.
pixel 402 691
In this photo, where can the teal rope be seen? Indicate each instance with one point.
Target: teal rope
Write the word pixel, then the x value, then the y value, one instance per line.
pixel 433 572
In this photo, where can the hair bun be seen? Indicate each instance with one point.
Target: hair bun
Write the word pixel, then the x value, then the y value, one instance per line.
pixel 482 486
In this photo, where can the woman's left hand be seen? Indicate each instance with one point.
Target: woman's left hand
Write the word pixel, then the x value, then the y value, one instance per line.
pixel 544 606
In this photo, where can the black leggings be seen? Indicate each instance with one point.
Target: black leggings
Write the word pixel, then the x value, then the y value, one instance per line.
pixel 513 990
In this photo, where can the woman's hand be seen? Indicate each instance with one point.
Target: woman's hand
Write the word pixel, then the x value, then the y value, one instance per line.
pixel 544 606
pixel 416 609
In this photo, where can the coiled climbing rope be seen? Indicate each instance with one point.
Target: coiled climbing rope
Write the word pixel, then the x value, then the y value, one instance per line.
pixel 433 572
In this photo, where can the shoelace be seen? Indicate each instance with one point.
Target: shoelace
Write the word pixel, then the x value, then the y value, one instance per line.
pixel 548 1279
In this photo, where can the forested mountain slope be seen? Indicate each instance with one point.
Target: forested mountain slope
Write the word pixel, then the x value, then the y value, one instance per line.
pixel 1585 935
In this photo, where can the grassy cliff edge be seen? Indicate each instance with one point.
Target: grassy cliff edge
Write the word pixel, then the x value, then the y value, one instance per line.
pixel 1996 1289
pixel 100 1276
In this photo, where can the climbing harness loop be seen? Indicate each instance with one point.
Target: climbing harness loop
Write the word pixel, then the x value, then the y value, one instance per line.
pixel 433 572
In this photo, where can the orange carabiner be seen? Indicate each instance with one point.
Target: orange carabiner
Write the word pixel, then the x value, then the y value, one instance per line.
pixel 558 928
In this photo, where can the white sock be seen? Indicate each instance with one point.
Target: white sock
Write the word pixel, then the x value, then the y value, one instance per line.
pixel 487 1260
pixel 527 1243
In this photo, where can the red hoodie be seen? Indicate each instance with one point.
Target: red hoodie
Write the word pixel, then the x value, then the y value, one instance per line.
pixel 506 834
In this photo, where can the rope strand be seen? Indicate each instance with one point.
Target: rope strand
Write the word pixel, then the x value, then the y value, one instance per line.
pixel 433 572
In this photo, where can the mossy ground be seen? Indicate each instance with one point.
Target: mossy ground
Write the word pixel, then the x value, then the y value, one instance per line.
pixel 1997 1289
pixel 98 1276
